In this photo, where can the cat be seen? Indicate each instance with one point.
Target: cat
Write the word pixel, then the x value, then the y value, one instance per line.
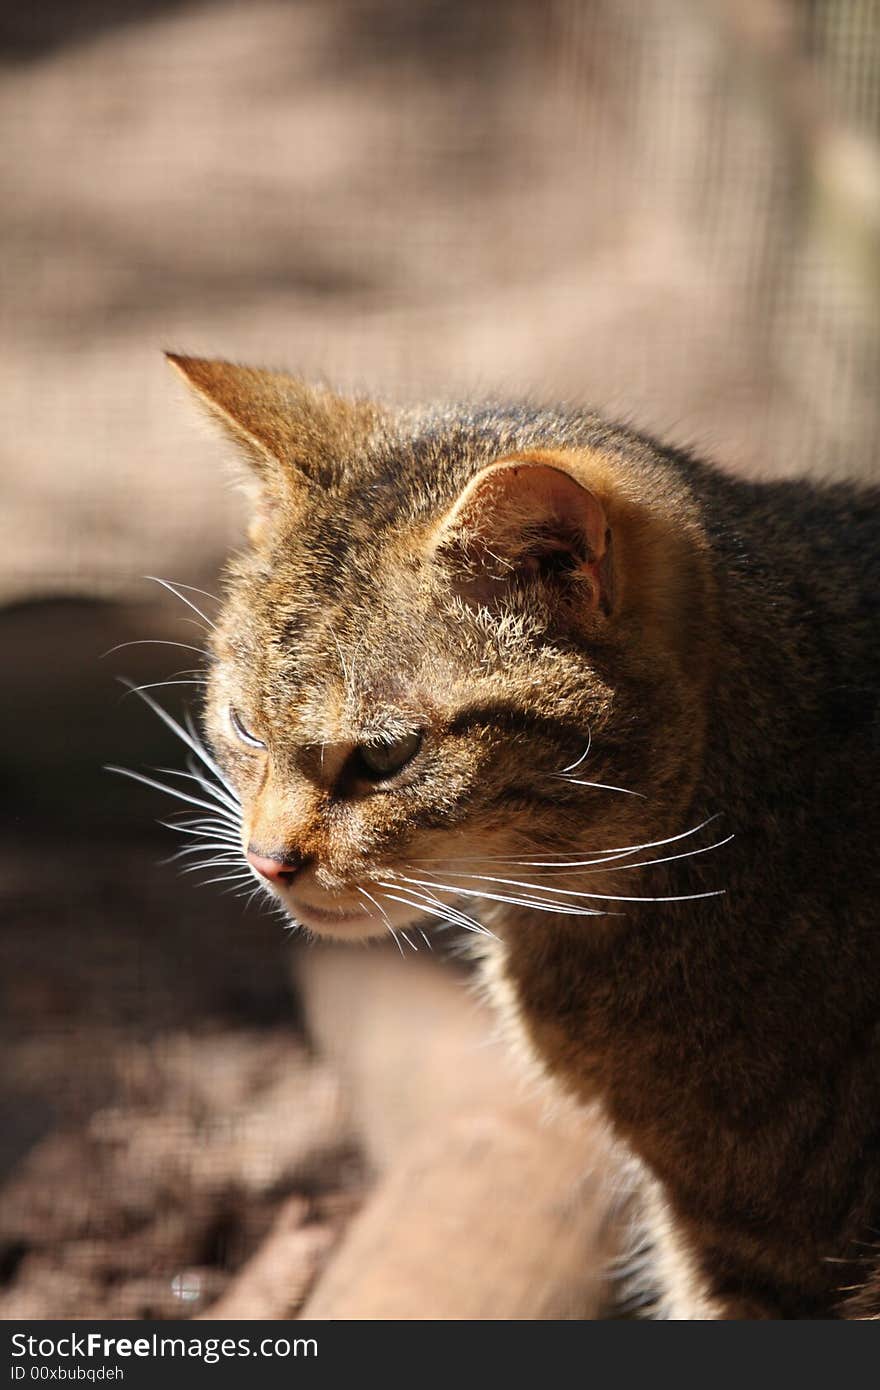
pixel 614 713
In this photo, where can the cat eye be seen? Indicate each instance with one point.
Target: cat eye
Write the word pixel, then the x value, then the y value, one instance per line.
pixel 241 732
pixel 376 761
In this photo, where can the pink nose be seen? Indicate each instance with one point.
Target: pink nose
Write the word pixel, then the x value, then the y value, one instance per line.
pixel 273 869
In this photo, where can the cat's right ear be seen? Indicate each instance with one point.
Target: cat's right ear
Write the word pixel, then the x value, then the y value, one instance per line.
pixel 249 406
pixel 257 409
pixel 291 434
pixel 287 428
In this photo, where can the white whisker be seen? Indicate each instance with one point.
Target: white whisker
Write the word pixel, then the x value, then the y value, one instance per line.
pixel 154 642
pixel 393 934
pixel 605 856
pixel 226 846
pixel 214 864
pixel 193 589
pixel 456 915
pixel 225 878
pixel 202 829
pixel 174 589
pixel 169 791
pixel 188 737
pixel 159 685
pixel 583 757
pixel 564 892
pixel 647 863
pixel 198 747
pixel 600 786
pixel 610 854
pixel 443 911
pixel 211 788
pixel 579 782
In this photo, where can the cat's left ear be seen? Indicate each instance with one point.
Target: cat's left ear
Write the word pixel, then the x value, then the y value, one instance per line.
pixel 524 518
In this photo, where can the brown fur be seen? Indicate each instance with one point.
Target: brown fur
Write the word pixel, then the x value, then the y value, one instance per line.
pixel 716 643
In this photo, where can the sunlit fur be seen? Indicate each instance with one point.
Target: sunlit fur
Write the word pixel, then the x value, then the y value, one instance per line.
pixel 647 700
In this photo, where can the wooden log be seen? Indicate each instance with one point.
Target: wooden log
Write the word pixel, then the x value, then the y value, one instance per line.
pixel 490 1203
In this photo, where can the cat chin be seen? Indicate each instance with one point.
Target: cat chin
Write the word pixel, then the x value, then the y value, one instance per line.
pixel 346 929
pixel 349 924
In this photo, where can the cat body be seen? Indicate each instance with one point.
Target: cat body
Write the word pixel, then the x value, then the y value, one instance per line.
pixel 535 665
pixel 735 1041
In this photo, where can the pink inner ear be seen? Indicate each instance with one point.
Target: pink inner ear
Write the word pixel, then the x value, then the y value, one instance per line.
pixel 516 513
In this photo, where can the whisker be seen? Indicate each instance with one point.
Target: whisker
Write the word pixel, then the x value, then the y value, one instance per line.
pixel 600 786
pixel 212 788
pixel 604 855
pixel 175 590
pixel 571 767
pixel 188 737
pixel 214 864
pixel 155 642
pixel 443 910
pixel 193 622
pixel 602 866
pixel 220 854
pixel 345 671
pixel 158 685
pixel 566 909
pixel 201 828
pixel 396 939
pixel 420 907
pixel 647 863
pixel 198 747
pixel 194 589
pixel 215 849
pixel 225 878
pixel 170 791
pixel 579 782
pixel 202 848
pixel 456 915
pixel 571 892
pixel 364 894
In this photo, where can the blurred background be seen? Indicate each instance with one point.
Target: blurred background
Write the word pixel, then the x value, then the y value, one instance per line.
pixel 669 209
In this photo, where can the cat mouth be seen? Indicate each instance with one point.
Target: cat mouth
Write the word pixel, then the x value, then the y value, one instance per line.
pixel 307 913
pixel 348 921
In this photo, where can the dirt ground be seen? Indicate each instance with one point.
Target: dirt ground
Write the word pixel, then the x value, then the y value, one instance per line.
pixel 161 1110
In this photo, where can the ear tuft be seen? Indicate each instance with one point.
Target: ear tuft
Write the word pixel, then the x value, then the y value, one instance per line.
pixel 526 518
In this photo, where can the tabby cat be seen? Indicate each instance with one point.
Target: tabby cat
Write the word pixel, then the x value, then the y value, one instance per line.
pixel 616 714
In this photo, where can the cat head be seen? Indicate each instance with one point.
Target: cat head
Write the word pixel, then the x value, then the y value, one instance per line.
pixel 459 656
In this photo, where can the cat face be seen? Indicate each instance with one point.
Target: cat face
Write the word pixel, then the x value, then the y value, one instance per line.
pixel 444 681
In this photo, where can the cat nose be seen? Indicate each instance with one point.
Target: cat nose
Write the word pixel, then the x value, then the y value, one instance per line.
pixel 275 868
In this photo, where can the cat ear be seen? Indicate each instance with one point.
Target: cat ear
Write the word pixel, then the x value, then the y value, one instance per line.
pixel 524 518
pixel 248 403
pixel 284 427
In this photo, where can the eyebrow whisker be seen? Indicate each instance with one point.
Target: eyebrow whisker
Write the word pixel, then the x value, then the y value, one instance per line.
pixel 175 590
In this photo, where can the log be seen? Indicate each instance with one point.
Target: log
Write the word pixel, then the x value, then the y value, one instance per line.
pixel 490 1203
